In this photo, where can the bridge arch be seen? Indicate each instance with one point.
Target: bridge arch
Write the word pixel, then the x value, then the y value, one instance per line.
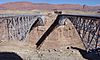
pixel 16 27
pixel 87 26
pixel 39 22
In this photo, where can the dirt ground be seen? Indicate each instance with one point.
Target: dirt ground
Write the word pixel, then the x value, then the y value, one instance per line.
pixel 55 47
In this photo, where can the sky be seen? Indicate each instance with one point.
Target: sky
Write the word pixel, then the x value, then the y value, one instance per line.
pixel 86 2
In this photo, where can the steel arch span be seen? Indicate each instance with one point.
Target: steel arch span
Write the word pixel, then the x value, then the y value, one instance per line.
pixel 16 27
pixel 87 26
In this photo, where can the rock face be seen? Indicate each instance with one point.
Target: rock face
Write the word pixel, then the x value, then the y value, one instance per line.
pixel 57 45
pixel 61 37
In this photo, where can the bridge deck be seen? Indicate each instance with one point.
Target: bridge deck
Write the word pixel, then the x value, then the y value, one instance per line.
pixel 82 15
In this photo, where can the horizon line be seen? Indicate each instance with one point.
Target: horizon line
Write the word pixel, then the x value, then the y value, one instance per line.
pixel 48 3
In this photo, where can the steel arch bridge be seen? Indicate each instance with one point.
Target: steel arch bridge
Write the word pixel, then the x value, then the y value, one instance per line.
pixel 16 27
pixel 87 26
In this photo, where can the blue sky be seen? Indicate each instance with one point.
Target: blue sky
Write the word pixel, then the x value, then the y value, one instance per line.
pixel 87 2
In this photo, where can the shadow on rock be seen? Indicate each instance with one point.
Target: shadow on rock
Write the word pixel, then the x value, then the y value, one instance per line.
pixel 9 56
pixel 90 55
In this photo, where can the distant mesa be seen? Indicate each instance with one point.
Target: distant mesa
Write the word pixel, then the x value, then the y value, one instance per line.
pixel 45 6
